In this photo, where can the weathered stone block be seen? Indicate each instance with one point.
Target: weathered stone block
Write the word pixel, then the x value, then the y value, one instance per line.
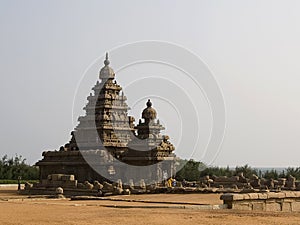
pixel 280 195
pixel 296 206
pixel 272 195
pixel 260 206
pixel 262 196
pixel 242 206
pixel 70 183
pixel 290 194
pixel 246 196
pixel 56 176
pixel 237 197
pixel 286 206
pixel 288 200
pixel 232 197
pixel 272 207
pixel 253 196
pixel 68 177
pixel 270 201
pixel 55 183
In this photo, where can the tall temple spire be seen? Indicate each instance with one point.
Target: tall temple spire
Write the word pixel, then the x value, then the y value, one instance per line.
pixel 106 122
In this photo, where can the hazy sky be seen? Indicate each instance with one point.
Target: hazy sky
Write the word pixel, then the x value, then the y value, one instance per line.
pixel 252 47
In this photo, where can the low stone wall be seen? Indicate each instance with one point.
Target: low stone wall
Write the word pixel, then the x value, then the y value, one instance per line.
pixel 52 192
pixel 270 201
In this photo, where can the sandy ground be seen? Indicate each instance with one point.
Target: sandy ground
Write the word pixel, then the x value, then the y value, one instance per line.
pixel 15 209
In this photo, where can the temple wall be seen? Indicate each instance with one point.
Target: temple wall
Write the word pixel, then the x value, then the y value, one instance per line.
pixel 287 201
pixel 94 165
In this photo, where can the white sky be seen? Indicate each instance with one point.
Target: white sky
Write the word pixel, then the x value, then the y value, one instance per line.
pixel 253 48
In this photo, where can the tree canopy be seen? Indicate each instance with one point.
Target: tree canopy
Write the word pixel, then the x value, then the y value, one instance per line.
pixel 14 167
pixel 192 170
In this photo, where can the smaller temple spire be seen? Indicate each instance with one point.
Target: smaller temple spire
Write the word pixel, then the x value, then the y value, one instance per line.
pixel 149 113
pixel 106 61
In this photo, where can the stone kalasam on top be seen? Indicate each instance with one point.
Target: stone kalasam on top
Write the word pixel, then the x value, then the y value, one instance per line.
pixel 107 126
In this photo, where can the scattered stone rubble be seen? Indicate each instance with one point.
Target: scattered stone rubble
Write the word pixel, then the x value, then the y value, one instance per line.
pixel 240 182
pixel 207 184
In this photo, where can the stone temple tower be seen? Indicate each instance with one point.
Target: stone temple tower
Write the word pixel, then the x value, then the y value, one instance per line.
pixel 148 141
pixel 106 139
pixel 106 123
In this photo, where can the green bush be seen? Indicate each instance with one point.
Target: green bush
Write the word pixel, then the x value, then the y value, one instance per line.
pixel 192 170
pixel 12 168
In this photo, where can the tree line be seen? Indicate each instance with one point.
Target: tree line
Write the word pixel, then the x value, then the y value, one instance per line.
pixel 15 167
pixel 192 170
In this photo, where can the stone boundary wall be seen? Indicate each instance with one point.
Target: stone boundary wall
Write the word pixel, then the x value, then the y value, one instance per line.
pixel 287 201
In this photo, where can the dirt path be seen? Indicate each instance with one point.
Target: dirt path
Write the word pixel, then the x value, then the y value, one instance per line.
pixel 53 211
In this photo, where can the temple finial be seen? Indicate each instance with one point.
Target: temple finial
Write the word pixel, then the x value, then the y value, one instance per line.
pixel 106 61
pixel 149 103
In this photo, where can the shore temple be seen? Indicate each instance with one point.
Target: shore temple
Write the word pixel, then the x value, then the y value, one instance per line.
pixel 107 144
